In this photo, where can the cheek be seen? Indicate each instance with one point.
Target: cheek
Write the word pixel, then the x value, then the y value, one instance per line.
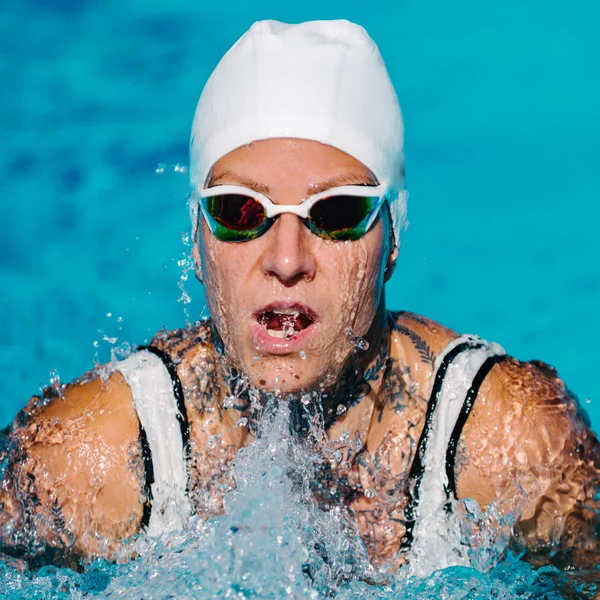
pixel 360 288
pixel 352 275
pixel 369 277
pixel 362 273
pixel 225 274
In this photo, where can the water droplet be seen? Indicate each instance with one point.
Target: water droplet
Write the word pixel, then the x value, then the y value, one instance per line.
pixel 305 399
pixel 242 422
pixel 54 377
pixel 588 400
pixel 302 354
pixel 340 410
pixel 356 340
pixel 369 493
pixel 213 439
pixel 289 333
pixel 96 344
pixel 109 314
pixel 228 401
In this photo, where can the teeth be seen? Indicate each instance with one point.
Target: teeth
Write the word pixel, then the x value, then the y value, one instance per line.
pixel 276 334
pixel 287 311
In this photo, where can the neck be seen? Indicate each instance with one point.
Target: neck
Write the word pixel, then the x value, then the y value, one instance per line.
pixel 362 373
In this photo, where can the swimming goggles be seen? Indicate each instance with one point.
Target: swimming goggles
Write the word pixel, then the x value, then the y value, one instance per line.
pixel 235 213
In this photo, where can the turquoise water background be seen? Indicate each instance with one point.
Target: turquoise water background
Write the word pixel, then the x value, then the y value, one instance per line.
pixel 502 143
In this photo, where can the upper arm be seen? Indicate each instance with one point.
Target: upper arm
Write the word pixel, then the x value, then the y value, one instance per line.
pixel 529 449
pixel 70 481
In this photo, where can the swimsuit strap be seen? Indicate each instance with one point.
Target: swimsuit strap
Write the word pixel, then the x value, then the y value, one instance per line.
pixel 432 530
pixel 164 438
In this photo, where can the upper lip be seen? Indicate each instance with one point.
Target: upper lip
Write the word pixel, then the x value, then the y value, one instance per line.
pixel 289 305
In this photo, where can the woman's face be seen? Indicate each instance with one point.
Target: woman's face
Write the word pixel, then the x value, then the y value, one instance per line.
pixel 284 302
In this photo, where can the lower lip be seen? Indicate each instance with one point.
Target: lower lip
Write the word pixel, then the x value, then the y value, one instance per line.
pixel 263 342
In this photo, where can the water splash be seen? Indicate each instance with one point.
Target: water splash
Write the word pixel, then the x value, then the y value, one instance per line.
pixel 168 167
pixel 186 261
pixel 243 567
pixel 186 264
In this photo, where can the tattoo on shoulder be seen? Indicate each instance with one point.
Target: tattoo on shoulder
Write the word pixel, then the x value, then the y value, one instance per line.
pixel 57 516
pixel 179 341
pixel 419 343
pixel 461 460
pixel 135 464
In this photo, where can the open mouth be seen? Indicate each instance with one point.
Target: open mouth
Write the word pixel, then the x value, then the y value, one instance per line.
pixel 285 323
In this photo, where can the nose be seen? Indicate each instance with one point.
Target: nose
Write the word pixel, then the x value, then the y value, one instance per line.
pixel 288 255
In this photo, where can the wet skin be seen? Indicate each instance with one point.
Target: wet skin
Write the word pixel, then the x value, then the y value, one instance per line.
pixel 526 446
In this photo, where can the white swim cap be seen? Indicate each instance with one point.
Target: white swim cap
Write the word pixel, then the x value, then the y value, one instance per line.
pixel 319 80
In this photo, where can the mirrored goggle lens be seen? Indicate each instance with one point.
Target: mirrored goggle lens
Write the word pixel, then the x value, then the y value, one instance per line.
pixel 235 212
pixel 341 213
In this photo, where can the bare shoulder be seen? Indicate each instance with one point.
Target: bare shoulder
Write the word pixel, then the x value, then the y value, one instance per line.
pixel 525 414
pixel 194 356
pixel 426 337
pixel 528 447
pixel 68 482
pixel 192 352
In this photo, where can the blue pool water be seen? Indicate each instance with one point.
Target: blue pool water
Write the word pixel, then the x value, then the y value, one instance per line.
pixel 502 143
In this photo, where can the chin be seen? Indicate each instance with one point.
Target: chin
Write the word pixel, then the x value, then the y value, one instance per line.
pixel 287 375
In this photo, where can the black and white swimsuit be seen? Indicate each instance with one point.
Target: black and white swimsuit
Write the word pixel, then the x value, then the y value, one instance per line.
pixel 164 436
pixel 433 532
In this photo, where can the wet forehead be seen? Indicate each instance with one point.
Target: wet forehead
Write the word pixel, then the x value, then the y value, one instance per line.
pixel 231 177
pixel 307 166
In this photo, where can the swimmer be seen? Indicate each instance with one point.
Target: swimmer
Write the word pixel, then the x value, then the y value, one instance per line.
pixel 298 208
